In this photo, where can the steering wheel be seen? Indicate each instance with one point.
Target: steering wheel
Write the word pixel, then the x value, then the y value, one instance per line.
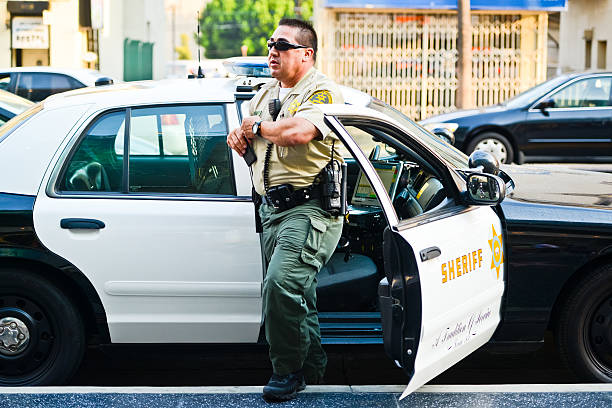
pixel 375 153
pixel 406 205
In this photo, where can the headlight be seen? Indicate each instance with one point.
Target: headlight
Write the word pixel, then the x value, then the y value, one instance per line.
pixel 450 126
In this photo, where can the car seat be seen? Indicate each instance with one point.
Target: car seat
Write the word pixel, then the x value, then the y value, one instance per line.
pixel 90 177
pixel 347 286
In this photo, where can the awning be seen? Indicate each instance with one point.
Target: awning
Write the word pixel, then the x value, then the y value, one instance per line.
pixel 542 5
pixel 27 8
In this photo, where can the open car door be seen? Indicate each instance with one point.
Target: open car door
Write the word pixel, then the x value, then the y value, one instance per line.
pixel 441 297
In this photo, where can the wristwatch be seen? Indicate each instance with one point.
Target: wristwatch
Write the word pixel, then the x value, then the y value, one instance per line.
pixel 257 128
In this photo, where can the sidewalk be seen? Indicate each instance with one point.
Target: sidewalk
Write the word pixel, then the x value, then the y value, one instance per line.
pixel 502 396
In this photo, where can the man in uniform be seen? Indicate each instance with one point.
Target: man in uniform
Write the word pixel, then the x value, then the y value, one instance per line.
pixel 299 236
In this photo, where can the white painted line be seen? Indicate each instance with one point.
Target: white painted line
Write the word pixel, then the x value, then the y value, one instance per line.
pixel 517 388
pixel 396 389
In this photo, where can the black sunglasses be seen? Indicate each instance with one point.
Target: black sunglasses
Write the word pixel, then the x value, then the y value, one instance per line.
pixel 284 45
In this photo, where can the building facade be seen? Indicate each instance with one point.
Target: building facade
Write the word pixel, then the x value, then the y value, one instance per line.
pixel 405 52
pixel 585 33
pixel 118 37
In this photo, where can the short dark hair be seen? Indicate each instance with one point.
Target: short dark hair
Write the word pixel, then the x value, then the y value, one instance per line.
pixel 306 35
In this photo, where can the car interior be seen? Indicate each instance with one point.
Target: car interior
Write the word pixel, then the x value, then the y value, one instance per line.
pixel 349 281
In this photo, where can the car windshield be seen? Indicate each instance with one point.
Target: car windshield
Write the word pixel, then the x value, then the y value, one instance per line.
pixel 10 126
pixel 537 91
pixel 449 153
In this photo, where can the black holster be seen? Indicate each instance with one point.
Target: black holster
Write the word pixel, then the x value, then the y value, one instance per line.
pixel 257 201
pixel 333 188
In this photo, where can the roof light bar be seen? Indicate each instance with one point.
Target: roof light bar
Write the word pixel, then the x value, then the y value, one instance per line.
pixel 256 67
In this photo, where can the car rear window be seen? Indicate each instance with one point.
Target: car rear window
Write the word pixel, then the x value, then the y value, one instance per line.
pixel 13 124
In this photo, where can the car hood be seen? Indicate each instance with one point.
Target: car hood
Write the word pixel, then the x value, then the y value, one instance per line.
pixel 560 186
pixel 448 117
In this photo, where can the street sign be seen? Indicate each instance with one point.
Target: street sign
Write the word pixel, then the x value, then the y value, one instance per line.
pixel 30 33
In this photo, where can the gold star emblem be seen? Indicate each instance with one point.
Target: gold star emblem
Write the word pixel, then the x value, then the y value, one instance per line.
pixel 497 255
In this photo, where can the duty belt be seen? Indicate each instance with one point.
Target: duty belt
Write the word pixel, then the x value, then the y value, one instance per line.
pixel 284 197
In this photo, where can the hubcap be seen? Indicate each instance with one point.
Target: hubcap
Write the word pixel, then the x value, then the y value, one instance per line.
pixel 14 336
pixel 600 335
pixel 26 339
pixel 495 147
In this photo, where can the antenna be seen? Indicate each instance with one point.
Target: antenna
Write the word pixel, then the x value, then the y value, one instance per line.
pixel 200 73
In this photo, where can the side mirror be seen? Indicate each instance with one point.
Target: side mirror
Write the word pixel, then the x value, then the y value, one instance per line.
pixel 545 104
pixel 104 81
pixel 485 161
pixel 485 189
pixel 445 134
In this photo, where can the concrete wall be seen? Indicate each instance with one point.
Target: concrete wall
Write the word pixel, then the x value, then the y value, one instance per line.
pixel 582 15
pixel 65 39
pixel 110 40
pixel 143 20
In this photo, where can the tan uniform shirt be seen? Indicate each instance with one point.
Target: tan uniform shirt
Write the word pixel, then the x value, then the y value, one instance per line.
pixel 296 165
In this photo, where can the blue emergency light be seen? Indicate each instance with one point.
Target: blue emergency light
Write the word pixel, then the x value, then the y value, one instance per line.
pixel 255 67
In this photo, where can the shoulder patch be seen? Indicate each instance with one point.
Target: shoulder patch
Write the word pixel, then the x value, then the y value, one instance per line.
pixel 321 97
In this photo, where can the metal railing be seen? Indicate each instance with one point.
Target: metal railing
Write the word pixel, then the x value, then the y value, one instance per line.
pixel 409 59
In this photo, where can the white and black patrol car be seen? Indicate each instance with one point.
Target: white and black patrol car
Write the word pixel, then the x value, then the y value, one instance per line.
pixel 125 218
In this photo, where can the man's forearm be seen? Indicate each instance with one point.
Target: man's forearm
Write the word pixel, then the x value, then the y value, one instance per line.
pixel 289 131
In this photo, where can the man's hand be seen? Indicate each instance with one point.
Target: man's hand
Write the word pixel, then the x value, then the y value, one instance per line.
pixel 236 141
pixel 247 126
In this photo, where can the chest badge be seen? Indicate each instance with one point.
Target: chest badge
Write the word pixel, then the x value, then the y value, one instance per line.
pixel 293 107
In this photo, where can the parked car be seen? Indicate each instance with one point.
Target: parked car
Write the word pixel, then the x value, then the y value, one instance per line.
pixel 98 246
pixel 37 83
pixel 569 116
pixel 11 105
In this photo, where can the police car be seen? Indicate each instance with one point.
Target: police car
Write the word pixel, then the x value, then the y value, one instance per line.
pixel 125 218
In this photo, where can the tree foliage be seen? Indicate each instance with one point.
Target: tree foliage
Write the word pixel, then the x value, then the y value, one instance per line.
pixel 183 51
pixel 226 25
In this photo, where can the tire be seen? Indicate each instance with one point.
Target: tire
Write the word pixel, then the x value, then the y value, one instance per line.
pixel 583 332
pixel 494 143
pixel 32 309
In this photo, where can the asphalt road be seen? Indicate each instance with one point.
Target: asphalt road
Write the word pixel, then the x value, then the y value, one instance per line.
pixel 596 166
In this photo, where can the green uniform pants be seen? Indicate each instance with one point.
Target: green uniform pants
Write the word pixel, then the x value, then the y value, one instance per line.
pixel 297 243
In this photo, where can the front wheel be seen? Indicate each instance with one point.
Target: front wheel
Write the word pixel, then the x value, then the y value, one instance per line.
pixel 42 339
pixel 584 328
pixel 498 145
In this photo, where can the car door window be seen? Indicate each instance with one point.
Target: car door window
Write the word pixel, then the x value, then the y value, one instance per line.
pixel 413 185
pixel 179 149
pixel 95 166
pixel 36 86
pixel 590 92
pixel 173 149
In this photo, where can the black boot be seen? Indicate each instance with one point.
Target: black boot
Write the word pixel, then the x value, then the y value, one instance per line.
pixel 284 387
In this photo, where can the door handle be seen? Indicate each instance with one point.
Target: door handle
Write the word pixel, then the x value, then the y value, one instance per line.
pixel 81 223
pixel 430 253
